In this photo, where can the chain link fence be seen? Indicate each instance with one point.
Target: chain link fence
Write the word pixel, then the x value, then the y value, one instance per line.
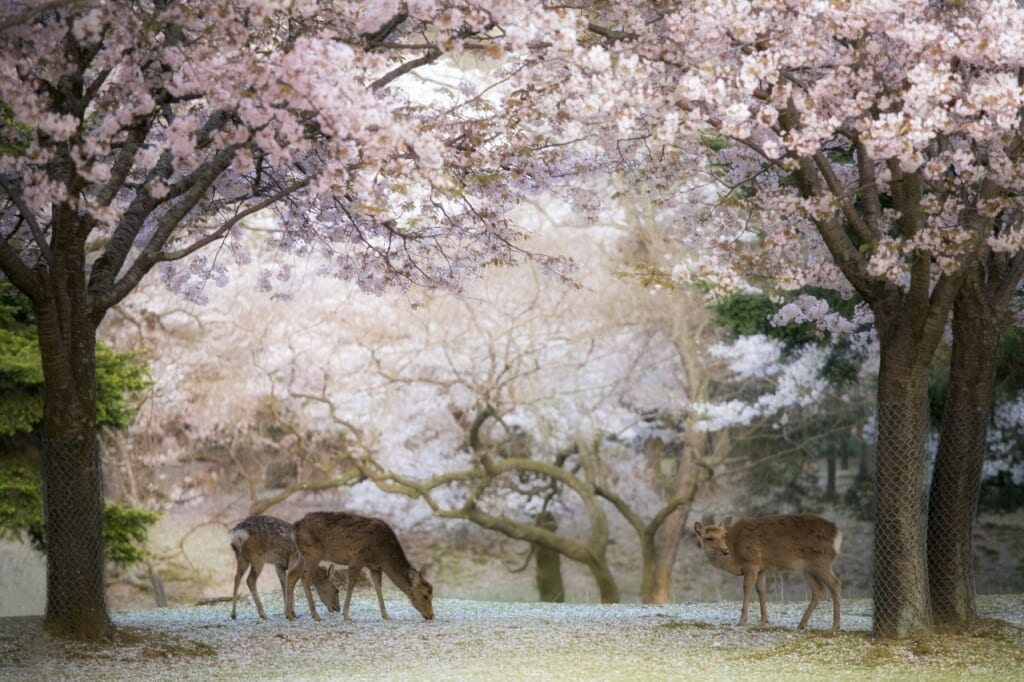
pixel 74 517
pixel 899 573
pixel 953 506
pixel 926 492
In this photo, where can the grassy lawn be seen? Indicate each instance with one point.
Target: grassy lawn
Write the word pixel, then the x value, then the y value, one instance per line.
pixel 472 640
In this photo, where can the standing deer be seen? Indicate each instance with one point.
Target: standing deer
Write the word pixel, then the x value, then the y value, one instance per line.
pixel 786 542
pixel 260 540
pixel 356 541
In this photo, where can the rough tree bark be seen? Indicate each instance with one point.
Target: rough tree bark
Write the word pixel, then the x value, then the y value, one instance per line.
pixel 979 317
pixel 693 471
pixel 71 464
pixel 910 326
pixel 550 587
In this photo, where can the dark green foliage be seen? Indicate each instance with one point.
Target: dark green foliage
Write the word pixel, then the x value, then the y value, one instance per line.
pixel 842 365
pixel 744 314
pixel 21 505
pixel 21 514
pixel 860 496
pixel 21 374
pixel 126 531
pixel 120 380
pixel 120 377
pixel 748 313
pixel 1000 494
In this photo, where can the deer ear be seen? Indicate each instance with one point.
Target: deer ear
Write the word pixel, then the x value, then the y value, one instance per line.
pixel 727 522
pixel 698 528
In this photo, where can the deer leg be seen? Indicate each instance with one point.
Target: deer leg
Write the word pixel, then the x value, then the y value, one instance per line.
pixel 749 578
pixel 308 568
pixel 243 565
pixel 376 577
pixel 254 574
pixel 282 578
pixel 759 584
pixel 834 587
pixel 815 584
pixel 292 576
pixel 353 576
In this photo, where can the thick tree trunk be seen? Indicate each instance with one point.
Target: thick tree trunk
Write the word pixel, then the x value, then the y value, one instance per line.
pixel 671 534
pixel 590 553
pixel 957 476
pixel 692 471
pixel 900 583
pixel 550 587
pixel 71 465
pixel 606 586
pixel 73 503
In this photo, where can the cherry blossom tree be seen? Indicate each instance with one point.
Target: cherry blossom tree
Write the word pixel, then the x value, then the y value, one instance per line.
pixel 876 147
pixel 870 147
pixel 138 133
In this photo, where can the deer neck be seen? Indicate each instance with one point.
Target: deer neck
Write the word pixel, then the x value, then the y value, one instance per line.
pixel 398 570
pixel 727 563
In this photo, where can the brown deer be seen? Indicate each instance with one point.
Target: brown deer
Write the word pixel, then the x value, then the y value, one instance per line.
pixel 260 540
pixel 356 541
pixel 786 542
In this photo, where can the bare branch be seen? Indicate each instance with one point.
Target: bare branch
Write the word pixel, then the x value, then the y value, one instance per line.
pixel 221 231
pixel 431 55
pixel 30 218
pixel 610 33
pixel 31 13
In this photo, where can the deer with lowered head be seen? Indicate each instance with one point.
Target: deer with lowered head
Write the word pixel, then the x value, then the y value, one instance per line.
pixel 357 542
pixel 786 542
pixel 260 540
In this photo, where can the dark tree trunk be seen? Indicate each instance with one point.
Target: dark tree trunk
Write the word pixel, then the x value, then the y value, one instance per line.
pixel 830 483
pixel 75 573
pixel 957 476
pixel 71 465
pixel 900 585
pixel 900 581
pixel 550 586
pixel 607 588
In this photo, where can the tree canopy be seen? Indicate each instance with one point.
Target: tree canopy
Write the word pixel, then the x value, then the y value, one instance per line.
pixel 863 147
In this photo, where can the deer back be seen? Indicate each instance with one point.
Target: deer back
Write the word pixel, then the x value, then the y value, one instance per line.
pixel 353 540
pixel 263 536
pixel 784 542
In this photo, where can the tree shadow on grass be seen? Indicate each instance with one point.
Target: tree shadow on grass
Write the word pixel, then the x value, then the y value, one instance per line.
pixel 26 639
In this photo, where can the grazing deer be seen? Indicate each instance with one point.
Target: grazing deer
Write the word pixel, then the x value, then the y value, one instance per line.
pixel 356 541
pixel 260 540
pixel 787 542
